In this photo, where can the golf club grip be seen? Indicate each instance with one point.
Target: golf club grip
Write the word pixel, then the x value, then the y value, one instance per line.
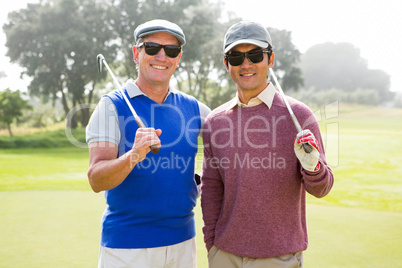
pixel 154 148
pixel 307 147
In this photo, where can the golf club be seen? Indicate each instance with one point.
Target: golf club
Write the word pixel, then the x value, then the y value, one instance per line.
pixel 306 146
pixel 100 59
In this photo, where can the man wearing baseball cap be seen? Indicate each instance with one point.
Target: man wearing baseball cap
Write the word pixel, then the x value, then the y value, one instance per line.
pixel 149 220
pixel 255 175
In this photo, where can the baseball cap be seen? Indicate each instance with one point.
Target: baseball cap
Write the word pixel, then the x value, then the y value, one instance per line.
pixel 246 32
pixel 159 26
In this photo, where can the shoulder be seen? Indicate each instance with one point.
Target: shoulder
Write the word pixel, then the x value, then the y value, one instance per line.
pixel 114 95
pixel 181 94
pixel 204 109
pixel 219 111
pixel 306 116
pixel 183 98
pixel 105 105
pixel 303 113
pixel 296 105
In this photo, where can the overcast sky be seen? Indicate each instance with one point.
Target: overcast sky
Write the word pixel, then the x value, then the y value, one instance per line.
pixel 372 26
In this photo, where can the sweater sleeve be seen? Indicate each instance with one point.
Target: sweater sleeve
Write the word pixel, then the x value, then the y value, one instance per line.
pixel 318 183
pixel 211 190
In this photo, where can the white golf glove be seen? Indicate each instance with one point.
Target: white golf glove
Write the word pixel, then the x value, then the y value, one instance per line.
pixel 309 161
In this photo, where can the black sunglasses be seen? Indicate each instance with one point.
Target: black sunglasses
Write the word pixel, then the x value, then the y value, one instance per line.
pixel 236 58
pixel 172 51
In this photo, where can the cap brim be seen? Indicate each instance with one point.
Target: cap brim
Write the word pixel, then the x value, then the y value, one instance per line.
pixel 246 41
pixel 179 38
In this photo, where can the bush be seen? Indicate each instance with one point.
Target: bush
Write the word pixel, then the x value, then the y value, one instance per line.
pixel 361 96
pixel 47 139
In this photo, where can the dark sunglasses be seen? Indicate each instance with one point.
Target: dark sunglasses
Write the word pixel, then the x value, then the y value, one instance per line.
pixel 236 58
pixel 172 51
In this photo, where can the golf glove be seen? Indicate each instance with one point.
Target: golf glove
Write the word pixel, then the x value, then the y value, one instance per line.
pixel 309 161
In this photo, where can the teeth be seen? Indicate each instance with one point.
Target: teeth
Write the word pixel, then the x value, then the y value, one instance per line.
pixel 159 67
pixel 247 74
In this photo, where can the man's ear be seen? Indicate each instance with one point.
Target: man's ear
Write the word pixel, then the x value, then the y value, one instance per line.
pixel 178 60
pixel 226 64
pixel 136 54
pixel 271 60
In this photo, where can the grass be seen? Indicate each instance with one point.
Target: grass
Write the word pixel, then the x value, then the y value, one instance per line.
pixel 49 228
pixel 62 229
pixel 51 218
pixel 365 159
pixel 44 169
pixel 352 237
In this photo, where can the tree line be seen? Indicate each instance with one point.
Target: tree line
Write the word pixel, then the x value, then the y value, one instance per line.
pixel 56 42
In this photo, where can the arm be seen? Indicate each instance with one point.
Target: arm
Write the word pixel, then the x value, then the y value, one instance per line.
pixel 106 171
pixel 204 111
pixel 211 192
pixel 318 183
pixel 317 179
pixel 317 176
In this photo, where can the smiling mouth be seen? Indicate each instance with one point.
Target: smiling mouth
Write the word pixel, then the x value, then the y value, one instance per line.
pixel 159 67
pixel 247 75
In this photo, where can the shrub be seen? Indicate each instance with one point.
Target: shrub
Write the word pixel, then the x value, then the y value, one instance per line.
pixel 47 139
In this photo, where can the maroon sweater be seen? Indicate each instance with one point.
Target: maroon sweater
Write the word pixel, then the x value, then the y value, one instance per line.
pixel 253 193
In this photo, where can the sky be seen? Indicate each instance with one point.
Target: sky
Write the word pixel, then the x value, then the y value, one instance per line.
pixel 371 26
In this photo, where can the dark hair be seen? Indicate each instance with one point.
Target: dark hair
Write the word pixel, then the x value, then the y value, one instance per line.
pixel 270 52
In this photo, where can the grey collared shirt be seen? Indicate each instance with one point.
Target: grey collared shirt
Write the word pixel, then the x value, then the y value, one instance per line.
pixel 104 123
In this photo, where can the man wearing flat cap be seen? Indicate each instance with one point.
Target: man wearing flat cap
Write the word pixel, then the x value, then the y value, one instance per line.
pixel 149 218
pixel 255 174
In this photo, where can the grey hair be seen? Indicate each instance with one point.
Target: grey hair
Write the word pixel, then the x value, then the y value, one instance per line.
pixel 139 41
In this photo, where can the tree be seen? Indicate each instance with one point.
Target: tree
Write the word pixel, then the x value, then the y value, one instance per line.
pixel 57 42
pixel 202 70
pixel 326 66
pixel 11 107
pixel 287 58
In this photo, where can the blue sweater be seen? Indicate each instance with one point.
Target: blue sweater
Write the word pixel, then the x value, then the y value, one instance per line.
pixel 153 207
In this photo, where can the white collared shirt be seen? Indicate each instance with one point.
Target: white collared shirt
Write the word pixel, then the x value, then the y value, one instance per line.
pixel 266 96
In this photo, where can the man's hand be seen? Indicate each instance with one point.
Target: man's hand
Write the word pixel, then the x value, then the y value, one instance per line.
pixel 144 138
pixel 309 161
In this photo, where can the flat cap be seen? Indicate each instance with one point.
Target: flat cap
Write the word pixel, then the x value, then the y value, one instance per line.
pixel 160 26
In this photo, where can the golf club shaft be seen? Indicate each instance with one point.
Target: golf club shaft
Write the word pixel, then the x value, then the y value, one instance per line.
pixel 101 60
pixel 306 146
